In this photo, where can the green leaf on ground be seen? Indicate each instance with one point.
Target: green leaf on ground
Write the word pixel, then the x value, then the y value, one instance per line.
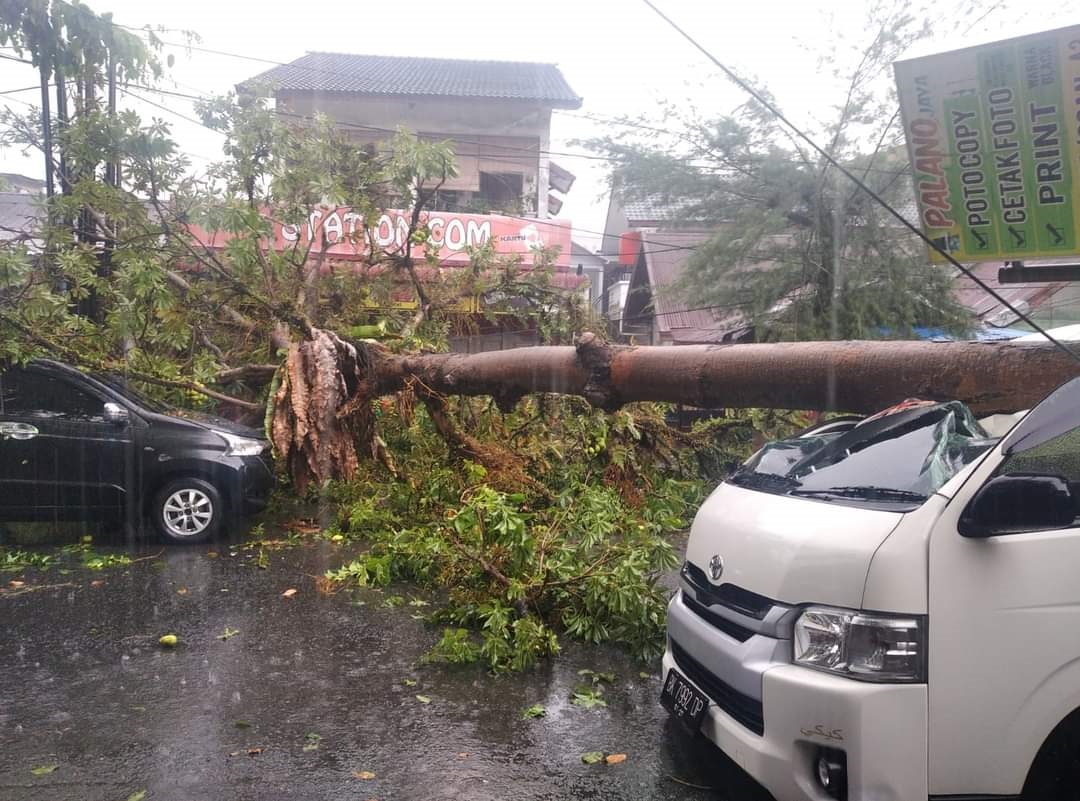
pixel 423 699
pixel 588 698
pixel 592 757
pixel 44 770
pixel 311 741
pixel 409 682
pixel 228 633
pixel 534 711
pixel 139 795
pixel 596 677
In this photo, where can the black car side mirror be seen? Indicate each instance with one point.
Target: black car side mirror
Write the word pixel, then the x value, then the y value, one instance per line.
pixel 116 414
pixel 1017 503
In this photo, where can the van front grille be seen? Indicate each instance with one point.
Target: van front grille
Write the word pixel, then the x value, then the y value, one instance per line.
pixel 732 629
pixel 729 595
pixel 746 710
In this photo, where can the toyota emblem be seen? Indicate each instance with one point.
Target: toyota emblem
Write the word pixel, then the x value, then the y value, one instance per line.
pixel 716 567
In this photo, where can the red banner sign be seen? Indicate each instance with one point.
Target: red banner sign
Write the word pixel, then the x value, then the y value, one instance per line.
pixel 453 234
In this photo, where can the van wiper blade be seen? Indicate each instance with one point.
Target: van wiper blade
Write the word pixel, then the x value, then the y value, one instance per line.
pixel 765 481
pixel 868 493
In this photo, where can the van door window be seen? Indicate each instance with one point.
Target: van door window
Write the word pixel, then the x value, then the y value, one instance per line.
pixel 25 394
pixel 1059 456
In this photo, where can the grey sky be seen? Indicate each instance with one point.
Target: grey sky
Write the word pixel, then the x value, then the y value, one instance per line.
pixel 617 54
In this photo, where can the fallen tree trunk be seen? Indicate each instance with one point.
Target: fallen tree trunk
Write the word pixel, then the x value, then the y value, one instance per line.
pixel 842 376
pixel 322 419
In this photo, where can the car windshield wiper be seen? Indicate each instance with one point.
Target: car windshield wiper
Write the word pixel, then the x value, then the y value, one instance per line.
pixel 868 493
pixel 771 481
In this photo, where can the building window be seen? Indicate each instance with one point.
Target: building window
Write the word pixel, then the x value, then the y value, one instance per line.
pixel 502 190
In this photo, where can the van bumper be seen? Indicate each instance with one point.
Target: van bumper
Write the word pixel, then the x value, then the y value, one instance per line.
pixel 882 728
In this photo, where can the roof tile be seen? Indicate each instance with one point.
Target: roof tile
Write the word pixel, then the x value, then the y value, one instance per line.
pixel 439 77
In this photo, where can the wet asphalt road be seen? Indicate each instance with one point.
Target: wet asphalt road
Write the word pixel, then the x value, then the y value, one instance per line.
pixel 85 687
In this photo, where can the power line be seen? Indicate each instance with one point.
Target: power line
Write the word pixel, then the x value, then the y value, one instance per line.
pixel 36 86
pixel 175 113
pixel 537 152
pixel 642 126
pixel 765 103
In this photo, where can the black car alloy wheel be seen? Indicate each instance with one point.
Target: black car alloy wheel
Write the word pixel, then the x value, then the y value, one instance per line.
pixel 188 510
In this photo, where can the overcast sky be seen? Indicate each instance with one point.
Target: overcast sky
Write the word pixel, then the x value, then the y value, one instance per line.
pixel 617 54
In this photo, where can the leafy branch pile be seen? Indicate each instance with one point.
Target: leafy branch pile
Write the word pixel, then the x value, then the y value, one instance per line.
pixel 582 556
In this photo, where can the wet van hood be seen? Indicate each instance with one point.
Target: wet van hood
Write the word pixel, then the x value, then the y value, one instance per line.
pixel 793 550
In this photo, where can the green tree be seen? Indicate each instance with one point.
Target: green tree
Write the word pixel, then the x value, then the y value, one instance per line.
pixel 146 268
pixel 797 247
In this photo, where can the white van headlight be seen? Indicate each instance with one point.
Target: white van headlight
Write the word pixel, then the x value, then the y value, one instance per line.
pixel 863 646
pixel 240 446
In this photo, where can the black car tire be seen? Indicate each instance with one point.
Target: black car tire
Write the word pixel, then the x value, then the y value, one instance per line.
pixel 188 510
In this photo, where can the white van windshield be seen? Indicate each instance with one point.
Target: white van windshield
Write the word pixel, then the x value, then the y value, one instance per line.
pixel 896 459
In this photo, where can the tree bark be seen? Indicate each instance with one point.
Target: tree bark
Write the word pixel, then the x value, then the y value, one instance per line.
pixel 839 376
pixel 323 423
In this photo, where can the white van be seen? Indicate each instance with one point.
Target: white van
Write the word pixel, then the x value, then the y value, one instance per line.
pixel 891 609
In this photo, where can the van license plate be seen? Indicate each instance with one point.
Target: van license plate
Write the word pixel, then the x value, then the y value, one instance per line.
pixel 683 700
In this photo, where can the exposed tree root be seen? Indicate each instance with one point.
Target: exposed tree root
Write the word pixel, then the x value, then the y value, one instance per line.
pixel 318 418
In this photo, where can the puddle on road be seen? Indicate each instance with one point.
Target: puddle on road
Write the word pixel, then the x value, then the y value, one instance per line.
pixel 266 696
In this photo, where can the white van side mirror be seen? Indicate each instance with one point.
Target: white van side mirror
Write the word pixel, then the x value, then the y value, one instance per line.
pixel 1017 503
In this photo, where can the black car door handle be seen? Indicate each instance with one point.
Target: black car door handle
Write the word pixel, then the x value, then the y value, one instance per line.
pixel 17 431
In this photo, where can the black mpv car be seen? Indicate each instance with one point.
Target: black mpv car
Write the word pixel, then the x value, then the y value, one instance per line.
pixel 75 446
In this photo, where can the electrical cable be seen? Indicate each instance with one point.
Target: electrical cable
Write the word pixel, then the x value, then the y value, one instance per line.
pixel 765 103
pixel 36 86
pixel 628 124
pixel 175 113
pixel 668 246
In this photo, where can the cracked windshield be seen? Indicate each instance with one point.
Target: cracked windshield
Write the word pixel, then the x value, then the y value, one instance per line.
pixel 624 400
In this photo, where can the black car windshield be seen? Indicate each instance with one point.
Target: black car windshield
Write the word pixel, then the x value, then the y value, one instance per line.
pixel 119 384
pixel 896 459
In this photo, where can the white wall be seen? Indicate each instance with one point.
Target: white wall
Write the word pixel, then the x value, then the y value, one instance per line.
pixel 497 136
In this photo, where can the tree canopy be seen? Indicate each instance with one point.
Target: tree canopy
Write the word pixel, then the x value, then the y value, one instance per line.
pixel 797 248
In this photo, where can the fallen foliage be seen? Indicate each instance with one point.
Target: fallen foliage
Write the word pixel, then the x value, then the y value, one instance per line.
pixel 579 550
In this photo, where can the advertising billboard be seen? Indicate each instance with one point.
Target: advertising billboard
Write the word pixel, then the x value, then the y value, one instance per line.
pixel 992 135
pixel 344 235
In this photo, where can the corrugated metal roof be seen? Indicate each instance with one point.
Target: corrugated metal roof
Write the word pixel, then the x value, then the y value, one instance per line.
pixel 1026 297
pixel 432 77
pixel 666 255
pixel 654 209
pixel 20 215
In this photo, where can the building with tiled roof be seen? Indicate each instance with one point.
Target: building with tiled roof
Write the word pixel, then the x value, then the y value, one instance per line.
pixel 497 114
pixel 421 77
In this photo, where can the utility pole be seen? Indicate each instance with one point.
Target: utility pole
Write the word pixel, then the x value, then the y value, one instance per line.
pixel 61 123
pixel 112 172
pixel 46 127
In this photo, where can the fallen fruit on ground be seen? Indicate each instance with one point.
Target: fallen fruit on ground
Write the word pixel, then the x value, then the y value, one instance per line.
pixel 168 640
